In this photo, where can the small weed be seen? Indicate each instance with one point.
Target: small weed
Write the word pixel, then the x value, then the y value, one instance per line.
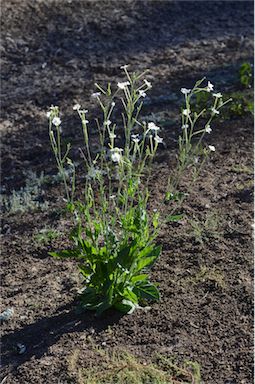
pixel 204 230
pixel 120 367
pixel 245 75
pixel 243 169
pixel 242 101
pixel 208 274
pixel 247 185
pixel 109 330
pixel 46 236
pixel 241 105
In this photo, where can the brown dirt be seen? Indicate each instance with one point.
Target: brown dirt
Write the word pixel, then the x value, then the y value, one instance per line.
pixel 52 53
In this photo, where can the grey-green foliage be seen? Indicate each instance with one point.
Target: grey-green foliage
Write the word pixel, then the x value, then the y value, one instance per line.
pixel 27 198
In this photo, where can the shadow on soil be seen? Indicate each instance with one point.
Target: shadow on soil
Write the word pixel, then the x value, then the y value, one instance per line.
pixel 136 26
pixel 41 335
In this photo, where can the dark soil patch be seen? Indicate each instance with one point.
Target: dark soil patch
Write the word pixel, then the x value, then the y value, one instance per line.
pixel 52 53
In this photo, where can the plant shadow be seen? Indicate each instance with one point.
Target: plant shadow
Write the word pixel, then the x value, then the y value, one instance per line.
pixel 39 336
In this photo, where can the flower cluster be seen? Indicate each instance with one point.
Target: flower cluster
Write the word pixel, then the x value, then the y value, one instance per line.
pixel 190 119
pixel 123 85
pixel 116 154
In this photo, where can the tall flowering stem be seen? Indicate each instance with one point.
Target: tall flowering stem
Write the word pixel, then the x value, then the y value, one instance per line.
pixel 194 126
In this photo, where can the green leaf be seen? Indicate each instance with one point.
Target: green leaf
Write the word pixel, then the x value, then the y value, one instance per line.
pixel 155 220
pixel 103 306
pixel 130 295
pixel 66 253
pixel 123 255
pixel 175 196
pixel 174 218
pixel 70 207
pixel 126 253
pixel 97 228
pixel 125 306
pixel 145 262
pixel 85 270
pixel 147 291
pixel 146 258
pixel 150 251
pixel 137 278
pixel 89 233
pixel 89 298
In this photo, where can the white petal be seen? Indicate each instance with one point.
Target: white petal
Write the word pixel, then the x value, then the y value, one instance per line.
pixel 56 121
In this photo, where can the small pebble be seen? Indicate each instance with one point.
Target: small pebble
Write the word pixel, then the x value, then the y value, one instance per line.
pixel 21 348
pixel 7 314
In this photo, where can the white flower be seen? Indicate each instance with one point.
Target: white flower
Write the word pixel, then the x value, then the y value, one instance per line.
pixel 56 121
pixel 123 85
pixel 209 87
pixel 212 148
pixel 113 104
pixel 185 126
pixel 112 197
pixel 83 111
pixel 186 112
pixel 158 139
pixel 124 66
pixel 196 160
pixel 95 95
pixel 217 95
pixel 116 155
pixel 48 114
pixel 147 83
pixel 142 93
pixel 208 129
pixel 135 138
pixel 153 127
pixel 185 91
pixel 107 123
pixel 112 135
pixel 215 111
pixel 76 107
